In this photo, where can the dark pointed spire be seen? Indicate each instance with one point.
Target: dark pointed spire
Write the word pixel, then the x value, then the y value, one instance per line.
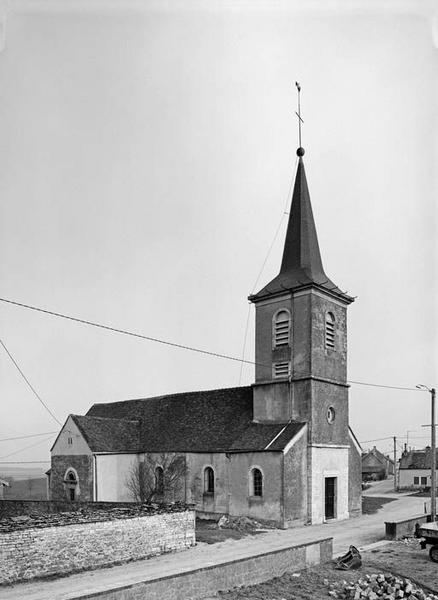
pixel 301 249
pixel 301 265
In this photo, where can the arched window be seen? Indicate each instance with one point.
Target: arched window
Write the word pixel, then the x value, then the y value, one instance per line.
pixel 208 480
pixel 257 482
pixel 71 483
pixel 281 326
pixel 330 331
pixel 159 480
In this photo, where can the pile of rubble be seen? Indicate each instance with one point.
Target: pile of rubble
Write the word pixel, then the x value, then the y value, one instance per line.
pixel 240 524
pixel 378 587
pixel 85 515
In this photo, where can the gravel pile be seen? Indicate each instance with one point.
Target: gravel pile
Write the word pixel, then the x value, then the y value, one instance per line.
pixel 378 587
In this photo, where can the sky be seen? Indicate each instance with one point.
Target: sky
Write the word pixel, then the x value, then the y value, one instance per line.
pixel 147 151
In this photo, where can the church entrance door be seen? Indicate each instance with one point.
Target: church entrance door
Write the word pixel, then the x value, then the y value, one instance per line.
pixel 330 497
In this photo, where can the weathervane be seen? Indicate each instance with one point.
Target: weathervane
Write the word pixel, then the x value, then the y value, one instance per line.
pixel 300 150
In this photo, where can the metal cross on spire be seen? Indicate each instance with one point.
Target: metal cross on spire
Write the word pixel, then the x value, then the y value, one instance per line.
pixel 300 120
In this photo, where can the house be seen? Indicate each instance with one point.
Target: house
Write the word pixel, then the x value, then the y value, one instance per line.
pixel 280 450
pixel 3 484
pixel 376 466
pixel 414 468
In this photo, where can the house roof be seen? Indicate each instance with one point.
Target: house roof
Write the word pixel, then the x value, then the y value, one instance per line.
pixel 376 454
pixel 301 266
pixel 205 421
pixel 417 459
pixel 109 435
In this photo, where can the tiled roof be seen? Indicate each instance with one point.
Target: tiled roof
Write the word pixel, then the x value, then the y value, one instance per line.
pixel 207 421
pixel 377 455
pixel 417 459
pixel 109 435
pixel 266 435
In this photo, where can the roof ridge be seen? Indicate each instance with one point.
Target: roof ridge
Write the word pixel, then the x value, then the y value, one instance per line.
pixel 163 396
pixel 106 418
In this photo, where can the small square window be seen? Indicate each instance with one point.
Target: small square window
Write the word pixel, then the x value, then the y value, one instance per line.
pixel 416 480
pixel 70 441
pixel 424 481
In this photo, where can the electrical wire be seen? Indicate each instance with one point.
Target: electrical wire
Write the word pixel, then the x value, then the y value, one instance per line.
pixel 277 231
pixel 377 440
pixel 390 387
pixel 244 342
pixel 25 462
pixel 22 437
pixel 125 332
pixel 26 447
pixel 167 343
pixel 28 383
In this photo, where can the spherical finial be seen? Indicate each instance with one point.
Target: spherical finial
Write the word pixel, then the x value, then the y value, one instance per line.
pixel 300 151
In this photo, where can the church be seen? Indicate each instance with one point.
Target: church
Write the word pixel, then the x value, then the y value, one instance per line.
pixel 280 450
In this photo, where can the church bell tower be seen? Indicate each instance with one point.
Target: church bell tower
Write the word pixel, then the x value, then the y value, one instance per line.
pixel 301 334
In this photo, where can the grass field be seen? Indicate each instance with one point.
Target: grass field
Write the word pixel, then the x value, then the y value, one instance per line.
pixel 26 489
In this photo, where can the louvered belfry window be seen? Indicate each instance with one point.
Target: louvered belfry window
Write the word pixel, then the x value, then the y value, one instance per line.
pixel 330 331
pixel 281 328
pixel 281 369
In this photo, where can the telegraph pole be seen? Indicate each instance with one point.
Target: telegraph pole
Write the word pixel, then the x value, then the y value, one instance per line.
pixel 395 464
pixel 432 392
pixel 433 462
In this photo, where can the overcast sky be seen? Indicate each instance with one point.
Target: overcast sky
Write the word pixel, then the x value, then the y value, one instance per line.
pixel 146 153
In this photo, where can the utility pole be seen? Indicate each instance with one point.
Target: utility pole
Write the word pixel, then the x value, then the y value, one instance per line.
pixel 395 463
pixel 432 392
pixel 433 462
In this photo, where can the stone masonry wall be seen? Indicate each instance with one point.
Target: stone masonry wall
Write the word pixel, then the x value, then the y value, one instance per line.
pixel 208 581
pixel 83 465
pixel 30 553
pixel 15 508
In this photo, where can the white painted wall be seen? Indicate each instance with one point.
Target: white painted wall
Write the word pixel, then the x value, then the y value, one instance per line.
pixel 77 446
pixel 328 461
pixel 406 478
pixel 112 472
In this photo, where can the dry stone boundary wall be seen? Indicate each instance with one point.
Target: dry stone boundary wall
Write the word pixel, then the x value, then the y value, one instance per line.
pixel 40 552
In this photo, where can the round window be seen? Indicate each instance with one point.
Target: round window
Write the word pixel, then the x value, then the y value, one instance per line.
pixel 331 414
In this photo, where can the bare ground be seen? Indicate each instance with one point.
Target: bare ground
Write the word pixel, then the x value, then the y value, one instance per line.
pixel 404 558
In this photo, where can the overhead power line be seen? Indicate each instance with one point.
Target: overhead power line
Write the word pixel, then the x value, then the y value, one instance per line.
pixel 124 331
pixel 26 448
pixel 23 437
pixel 167 343
pixel 390 387
pixel 376 440
pixel 24 462
pixel 28 383
pixel 262 268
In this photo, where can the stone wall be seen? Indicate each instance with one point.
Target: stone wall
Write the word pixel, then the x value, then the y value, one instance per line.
pixel 395 530
pixel 208 581
pixel 83 465
pixel 16 508
pixel 47 551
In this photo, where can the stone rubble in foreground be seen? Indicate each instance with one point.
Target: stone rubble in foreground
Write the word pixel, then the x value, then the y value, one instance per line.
pixel 378 587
